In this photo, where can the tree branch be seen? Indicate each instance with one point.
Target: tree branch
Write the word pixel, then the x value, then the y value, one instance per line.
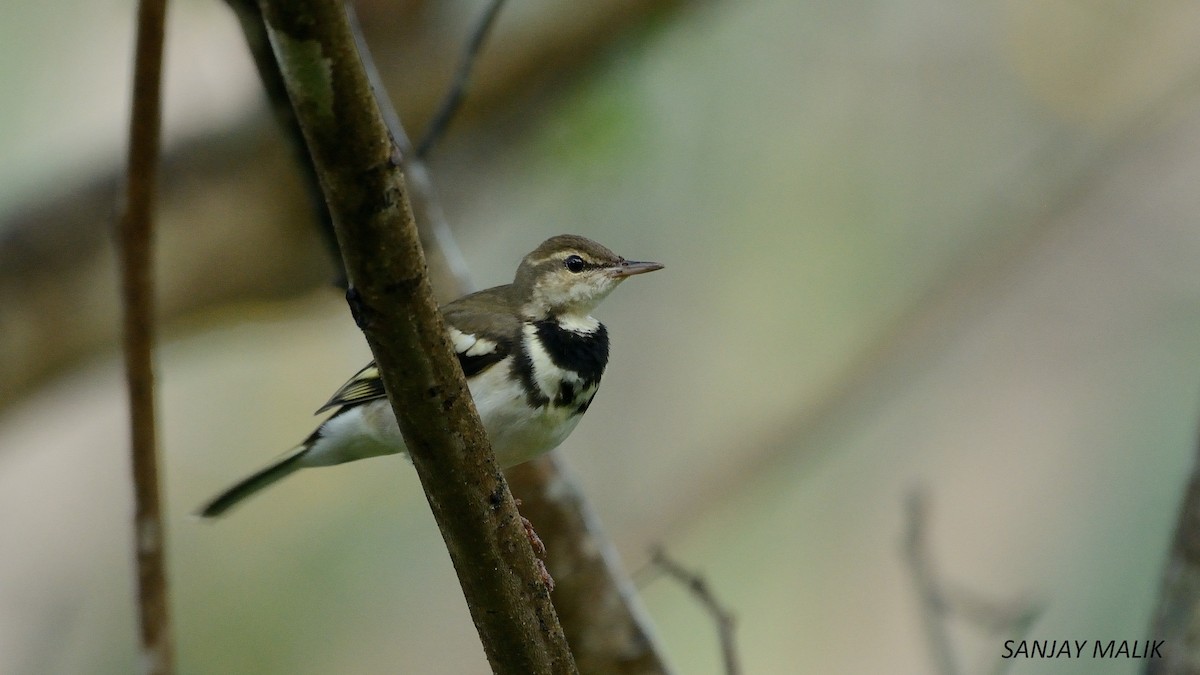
pixel 933 604
pixel 393 303
pixel 1178 609
pixel 255 32
pixel 136 228
pixel 447 266
pixel 699 589
pixel 608 630
pixel 939 601
pixel 449 106
pixel 436 238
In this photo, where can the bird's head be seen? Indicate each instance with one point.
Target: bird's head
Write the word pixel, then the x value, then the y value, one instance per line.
pixel 569 275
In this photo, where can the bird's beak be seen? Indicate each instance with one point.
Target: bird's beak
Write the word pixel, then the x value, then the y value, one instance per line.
pixel 628 268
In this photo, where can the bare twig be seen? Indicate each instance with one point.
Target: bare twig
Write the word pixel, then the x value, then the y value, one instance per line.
pixel 939 602
pixel 393 303
pixel 698 586
pixel 449 106
pixel 1178 608
pixel 933 605
pixel 136 229
pixel 603 619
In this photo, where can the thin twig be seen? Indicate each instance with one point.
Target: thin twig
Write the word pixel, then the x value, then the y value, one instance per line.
pixel 1175 617
pixel 601 614
pixel 450 104
pixel 933 604
pixel 393 303
pixel 136 228
pixel 698 586
pixel 939 602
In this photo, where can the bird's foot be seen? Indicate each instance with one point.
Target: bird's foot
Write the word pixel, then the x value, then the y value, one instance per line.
pixel 539 551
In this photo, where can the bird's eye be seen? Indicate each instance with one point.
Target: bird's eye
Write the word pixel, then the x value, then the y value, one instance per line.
pixel 574 263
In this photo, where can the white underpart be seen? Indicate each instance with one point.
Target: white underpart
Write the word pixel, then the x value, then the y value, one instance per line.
pixel 518 432
pixel 366 430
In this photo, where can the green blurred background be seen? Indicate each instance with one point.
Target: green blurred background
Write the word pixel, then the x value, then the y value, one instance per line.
pixel 908 243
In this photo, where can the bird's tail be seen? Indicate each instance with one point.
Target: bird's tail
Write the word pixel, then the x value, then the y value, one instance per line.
pixel 265 477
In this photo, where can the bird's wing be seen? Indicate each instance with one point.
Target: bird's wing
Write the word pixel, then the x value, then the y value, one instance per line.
pixel 483 328
pixel 480 338
pixel 365 386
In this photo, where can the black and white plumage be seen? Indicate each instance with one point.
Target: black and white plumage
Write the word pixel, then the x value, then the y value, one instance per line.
pixel 531 351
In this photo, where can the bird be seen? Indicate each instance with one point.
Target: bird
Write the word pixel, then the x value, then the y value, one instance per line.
pixel 531 351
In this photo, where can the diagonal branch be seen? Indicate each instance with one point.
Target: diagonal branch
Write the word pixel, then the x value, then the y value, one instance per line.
pixel 135 234
pixel 602 616
pixel 393 302
pixel 698 586
pixel 437 240
pixel 1176 616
